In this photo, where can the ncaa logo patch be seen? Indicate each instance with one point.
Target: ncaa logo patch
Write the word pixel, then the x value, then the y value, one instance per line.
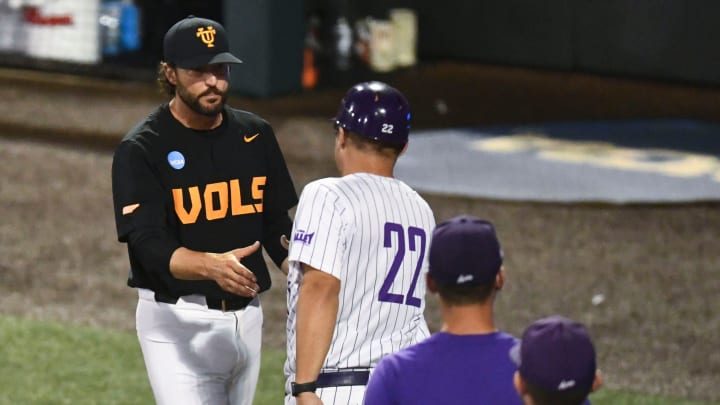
pixel 176 160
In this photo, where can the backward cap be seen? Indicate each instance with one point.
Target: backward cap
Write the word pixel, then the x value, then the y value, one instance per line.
pixel 556 354
pixel 465 251
pixel 193 42
pixel 376 111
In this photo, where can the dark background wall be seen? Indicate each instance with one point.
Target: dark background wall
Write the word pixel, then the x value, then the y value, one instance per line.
pixel 658 39
pixel 666 40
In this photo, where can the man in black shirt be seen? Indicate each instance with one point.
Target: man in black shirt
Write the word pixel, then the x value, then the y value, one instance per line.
pixel 198 188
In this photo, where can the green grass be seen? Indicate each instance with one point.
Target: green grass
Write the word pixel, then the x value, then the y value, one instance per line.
pixel 48 363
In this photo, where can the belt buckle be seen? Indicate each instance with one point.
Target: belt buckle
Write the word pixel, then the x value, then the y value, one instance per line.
pixel 223 305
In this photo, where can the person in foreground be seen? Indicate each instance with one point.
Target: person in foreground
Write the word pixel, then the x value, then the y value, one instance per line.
pixel 197 187
pixel 556 363
pixel 358 256
pixel 467 361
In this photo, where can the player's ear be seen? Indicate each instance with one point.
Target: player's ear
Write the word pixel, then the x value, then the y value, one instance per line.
pixel 519 384
pixel 597 383
pixel 500 279
pixel 431 286
pixel 170 74
pixel 341 133
pixel 342 137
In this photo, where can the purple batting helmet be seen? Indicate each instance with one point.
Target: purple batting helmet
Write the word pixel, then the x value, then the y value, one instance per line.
pixel 375 111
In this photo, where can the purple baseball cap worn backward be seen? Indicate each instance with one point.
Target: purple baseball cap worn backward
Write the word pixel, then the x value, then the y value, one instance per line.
pixel 194 42
pixel 465 251
pixel 556 354
pixel 375 111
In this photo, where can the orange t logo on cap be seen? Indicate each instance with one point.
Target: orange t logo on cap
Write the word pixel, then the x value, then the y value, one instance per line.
pixel 207 36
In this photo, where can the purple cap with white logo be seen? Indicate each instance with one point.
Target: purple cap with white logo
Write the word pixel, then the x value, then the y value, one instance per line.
pixel 465 251
pixel 556 354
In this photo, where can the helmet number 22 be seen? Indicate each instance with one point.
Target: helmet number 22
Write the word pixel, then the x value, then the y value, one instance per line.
pixel 416 240
pixel 387 128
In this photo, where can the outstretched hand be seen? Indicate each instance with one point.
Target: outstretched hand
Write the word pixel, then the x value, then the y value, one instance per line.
pixel 231 275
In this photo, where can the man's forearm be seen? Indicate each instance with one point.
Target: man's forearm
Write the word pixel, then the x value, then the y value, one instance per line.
pixel 317 309
pixel 186 264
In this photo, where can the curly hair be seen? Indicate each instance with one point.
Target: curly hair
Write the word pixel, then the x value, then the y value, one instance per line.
pixel 162 80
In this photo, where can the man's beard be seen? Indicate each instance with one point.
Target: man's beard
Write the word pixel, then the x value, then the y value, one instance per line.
pixel 195 105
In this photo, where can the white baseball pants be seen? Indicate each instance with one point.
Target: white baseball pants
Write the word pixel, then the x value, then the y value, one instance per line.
pixel 195 355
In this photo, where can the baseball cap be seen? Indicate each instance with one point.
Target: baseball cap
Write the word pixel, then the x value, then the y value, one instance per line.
pixel 193 42
pixel 464 251
pixel 556 354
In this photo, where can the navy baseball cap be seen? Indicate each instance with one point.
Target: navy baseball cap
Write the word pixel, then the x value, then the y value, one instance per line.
pixel 556 354
pixel 465 251
pixel 193 42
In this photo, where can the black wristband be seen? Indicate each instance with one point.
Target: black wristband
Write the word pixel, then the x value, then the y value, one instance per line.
pixel 304 387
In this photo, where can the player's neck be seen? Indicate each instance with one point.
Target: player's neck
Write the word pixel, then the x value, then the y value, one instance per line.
pixel 468 319
pixel 192 119
pixel 367 163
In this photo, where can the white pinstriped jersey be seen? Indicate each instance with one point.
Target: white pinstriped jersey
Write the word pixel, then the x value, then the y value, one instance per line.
pixel 373 233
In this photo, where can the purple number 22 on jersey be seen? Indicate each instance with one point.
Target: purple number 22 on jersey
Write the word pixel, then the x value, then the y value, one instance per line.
pixel 413 233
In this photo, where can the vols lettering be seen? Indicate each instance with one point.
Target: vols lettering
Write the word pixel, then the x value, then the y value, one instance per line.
pixel 217 199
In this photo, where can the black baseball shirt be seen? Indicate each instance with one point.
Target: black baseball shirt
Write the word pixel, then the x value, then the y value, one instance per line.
pixel 209 191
